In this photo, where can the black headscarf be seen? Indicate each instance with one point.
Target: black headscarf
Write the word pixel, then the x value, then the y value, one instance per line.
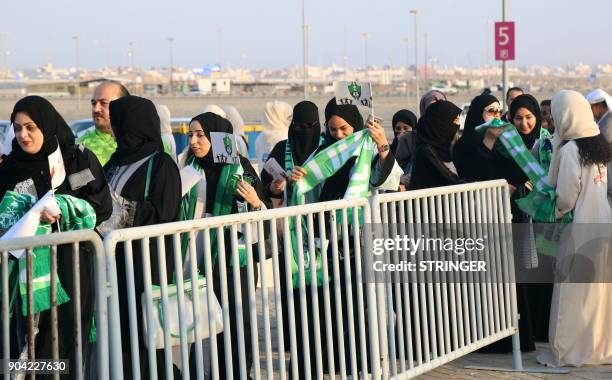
pixel 350 114
pixel 437 128
pixel 19 165
pixel 474 117
pixel 405 116
pixel 529 102
pixel 304 141
pixel 136 126
pixel 335 186
pixel 211 122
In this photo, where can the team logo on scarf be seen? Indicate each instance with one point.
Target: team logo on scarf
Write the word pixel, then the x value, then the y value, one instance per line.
pixel 227 141
pixel 355 90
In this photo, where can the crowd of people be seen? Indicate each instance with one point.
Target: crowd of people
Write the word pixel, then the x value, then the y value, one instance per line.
pixel 127 170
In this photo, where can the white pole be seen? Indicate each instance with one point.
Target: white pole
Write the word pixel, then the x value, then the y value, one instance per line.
pixel 504 68
pixel 365 41
pixel 416 60
pixel 407 79
pixel 425 43
pixel 305 49
pixel 77 75
pixel 171 40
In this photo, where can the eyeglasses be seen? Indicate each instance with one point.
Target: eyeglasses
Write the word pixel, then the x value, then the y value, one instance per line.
pixel 493 111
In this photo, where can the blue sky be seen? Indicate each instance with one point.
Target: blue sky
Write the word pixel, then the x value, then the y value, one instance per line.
pixel 267 33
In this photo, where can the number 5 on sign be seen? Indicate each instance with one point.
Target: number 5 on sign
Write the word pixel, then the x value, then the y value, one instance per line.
pixel 504 41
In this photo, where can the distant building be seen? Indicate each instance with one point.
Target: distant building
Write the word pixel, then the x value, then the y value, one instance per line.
pixel 207 86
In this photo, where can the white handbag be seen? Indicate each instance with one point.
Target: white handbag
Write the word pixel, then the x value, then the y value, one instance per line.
pixel 171 316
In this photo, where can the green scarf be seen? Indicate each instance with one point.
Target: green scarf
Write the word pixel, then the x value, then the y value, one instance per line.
pixel 541 201
pixel 224 200
pixel 77 214
pixel 545 148
pixel 320 167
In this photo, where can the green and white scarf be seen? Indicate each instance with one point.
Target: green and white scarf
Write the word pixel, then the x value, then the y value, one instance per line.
pixel 77 214
pixel 321 167
pixel 224 201
pixel 540 202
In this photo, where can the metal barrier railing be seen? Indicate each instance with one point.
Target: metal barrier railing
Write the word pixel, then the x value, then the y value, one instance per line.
pixel 443 316
pixel 61 241
pixel 342 290
pixel 401 325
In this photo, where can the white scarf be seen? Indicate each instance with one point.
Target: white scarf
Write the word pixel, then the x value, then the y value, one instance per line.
pixel 573 120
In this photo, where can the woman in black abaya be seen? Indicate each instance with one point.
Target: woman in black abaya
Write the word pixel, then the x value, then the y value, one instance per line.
pixel 151 194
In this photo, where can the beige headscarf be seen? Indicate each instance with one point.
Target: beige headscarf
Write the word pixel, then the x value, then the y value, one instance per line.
pixel 214 109
pixel 573 120
pixel 277 116
pixel 234 117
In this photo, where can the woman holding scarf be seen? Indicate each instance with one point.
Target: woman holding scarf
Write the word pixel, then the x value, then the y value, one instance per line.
pixel 526 116
pixel 477 159
pixel 212 196
pixel 303 140
pixel 432 163
pixel 40 131
pixel 342 121
pixel 146 188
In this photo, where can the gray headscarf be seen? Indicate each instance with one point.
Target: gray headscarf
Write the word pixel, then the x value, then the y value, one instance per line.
pixel 430 97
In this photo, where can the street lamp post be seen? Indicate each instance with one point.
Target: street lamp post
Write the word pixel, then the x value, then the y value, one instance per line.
pixel 77 73
pixel 7 54
pixel 170 41
pixel 305 49
pixel 131 55
pixel 365 41
pixel 426 59
pixel 504 68
pixel 131 58
pixel 416 59
pixel 407 79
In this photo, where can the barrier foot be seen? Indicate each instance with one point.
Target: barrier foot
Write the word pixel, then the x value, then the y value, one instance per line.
pixel 525 370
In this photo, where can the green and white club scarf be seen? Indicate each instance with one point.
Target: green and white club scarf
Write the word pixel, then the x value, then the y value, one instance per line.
pixel 320 167
pixel 77 214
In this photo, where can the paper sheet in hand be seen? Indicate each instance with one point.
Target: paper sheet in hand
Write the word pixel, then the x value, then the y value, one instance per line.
pixel 56 168
pixel 189 177
pixel 224 148
pixel 274 169
pixel 7 145
pixel 28 224
pixel 357 93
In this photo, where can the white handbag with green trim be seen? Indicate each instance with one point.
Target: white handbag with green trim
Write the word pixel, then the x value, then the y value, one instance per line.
pixel 171 316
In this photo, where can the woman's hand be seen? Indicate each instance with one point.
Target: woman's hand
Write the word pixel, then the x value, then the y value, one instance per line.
pixel 45 216
pixel 277 186
pixel 297 173
pixel 377 132
pixel 378 135
pixel 249 194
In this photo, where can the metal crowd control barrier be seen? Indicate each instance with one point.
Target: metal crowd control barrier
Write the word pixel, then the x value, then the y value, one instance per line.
pixel 55 240
pixel 443 318
pixel 357 333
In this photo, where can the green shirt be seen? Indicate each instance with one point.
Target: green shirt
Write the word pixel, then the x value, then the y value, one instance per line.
pixel 103 145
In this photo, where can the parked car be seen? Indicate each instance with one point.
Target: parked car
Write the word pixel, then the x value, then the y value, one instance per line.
pixel 80 127
pixel 5 126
